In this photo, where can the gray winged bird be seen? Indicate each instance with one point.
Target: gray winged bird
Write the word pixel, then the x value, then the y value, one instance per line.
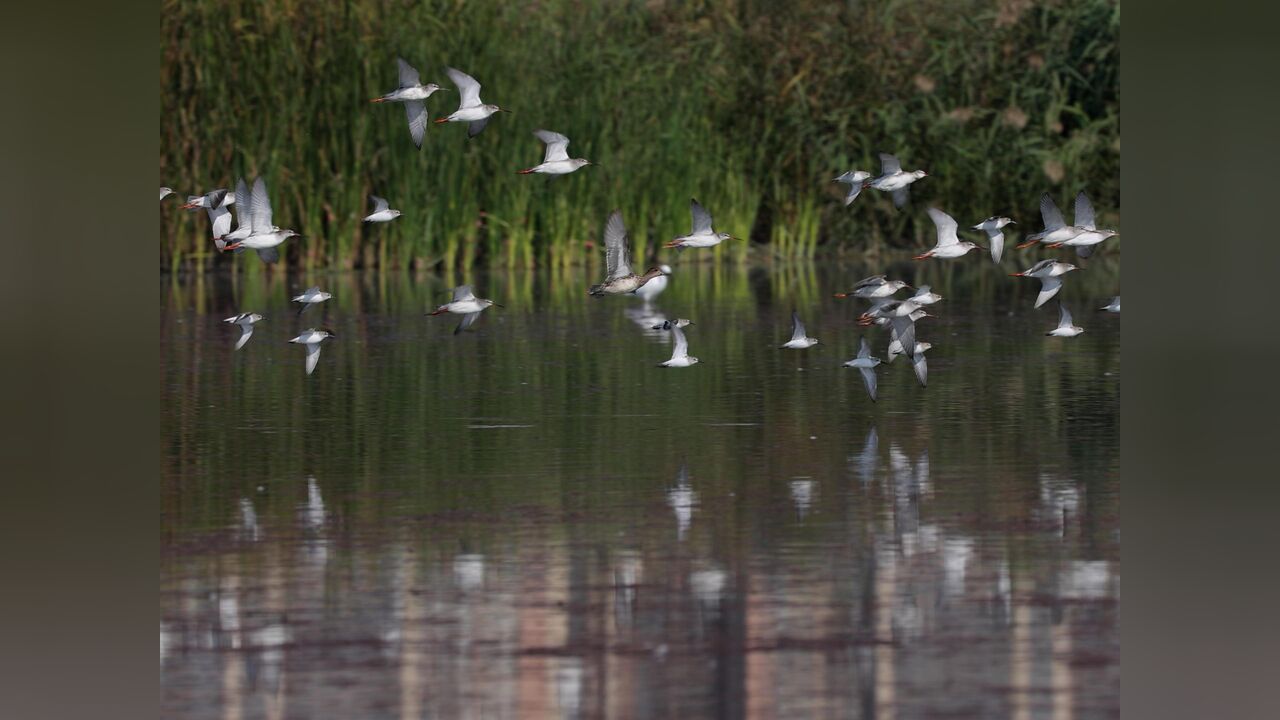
pixel 412 93
pixel 1065 328
pixel 1056 229
pixel 466 304
pixel 894 180
pixel 1049 272
pixel 949 245
pixel 799 340
pixel 382 211
pixel 854 179
pixel 263 236
pixel 1089 235
pixel 246 322
pixel 620 278
pixel 470 109
pixel 866 365
pixel 311 339
pixel 556 160
pixel 703 234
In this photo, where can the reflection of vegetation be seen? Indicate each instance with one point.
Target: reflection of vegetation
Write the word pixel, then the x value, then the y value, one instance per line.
pixel 752 107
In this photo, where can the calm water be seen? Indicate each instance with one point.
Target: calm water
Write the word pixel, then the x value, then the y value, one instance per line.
pixel 532 520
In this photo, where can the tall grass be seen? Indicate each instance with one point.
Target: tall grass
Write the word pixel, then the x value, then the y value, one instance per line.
pixel 751 107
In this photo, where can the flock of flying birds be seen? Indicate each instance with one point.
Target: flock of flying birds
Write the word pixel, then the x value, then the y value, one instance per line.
pixel 256 231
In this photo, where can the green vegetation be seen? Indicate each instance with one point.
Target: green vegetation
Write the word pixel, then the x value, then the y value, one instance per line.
pixel 748 106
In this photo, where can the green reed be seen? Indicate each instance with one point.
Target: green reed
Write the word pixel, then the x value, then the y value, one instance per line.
pixel 750 107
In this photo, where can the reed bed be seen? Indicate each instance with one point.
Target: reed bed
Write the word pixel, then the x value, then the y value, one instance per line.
pixel 751 107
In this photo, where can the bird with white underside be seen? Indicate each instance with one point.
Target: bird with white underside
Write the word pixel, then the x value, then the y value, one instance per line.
pixel 620 279
pixel 1049 272
pixel 470 108
pixel 412 92
pixel 466 304
pixel 949 245
pixel 702 235
pixel 556 160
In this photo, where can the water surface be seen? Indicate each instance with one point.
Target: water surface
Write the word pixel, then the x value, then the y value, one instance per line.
pixel 532 520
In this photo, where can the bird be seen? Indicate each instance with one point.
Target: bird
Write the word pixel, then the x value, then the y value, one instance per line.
pixel 949 245
pixel 1055 228
pixel 1065 328
pixel 244 227
pixel 412 93
pixel 919 364
pixel 556 161
pixel 702 235
pixel 668 324
pixel 1089 235
pixel 1050 273
pixel 620 279
pixel 381 211
pixel 854 179
pixel 263 236
pixel 866 364
pixel 466 304
pixel 680 356
pixel 875 286
pixel 312 338
pixel 798 341
pixel 245 321
pixel 311 296
pixel 925 296
pixel 893 179
pixel 654 287
pixel 215 203
pixel 470 110
pixel 895 347
pixel 901 318
pixel 165 192
pixel 1113 306
pixel 993 226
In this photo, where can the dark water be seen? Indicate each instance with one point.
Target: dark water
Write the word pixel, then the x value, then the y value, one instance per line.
pixel 532 520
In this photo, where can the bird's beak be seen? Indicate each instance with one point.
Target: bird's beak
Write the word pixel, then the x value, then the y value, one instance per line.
pixel 1013 222
pixel 840 295
pixel 377 100
pixel 1016 274
pixel 501 306
pixel 189 206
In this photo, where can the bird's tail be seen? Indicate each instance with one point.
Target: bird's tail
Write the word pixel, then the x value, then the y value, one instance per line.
pixel 925 256
pixel 525 171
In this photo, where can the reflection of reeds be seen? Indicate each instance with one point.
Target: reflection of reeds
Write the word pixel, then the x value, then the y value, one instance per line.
pixel 750 107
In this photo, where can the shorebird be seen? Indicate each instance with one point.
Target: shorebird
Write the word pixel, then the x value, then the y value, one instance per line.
pixel 382 212
pixel 311 338
pixel 874 287
pixel 1055 228
pixel 949 246
pixel 245 321
pixel 680 356
pixel 470 110
pixel 1089 234
pixel 654 287
pixel 620 279
pixel 311 296
pixel 901 318
pixel 798 341
pixel 925 296
pixel 215 203
pixel 702 234
pixel 1113 306
pixel 1049 272
pixel 411 92
pixel 263 236
pixel 668 324
pixel 894 180
pixel 556 160
pixel 919 364
pixel 895 347
pixel 466 304
pixel 165 192
pixel 993 227
pixel 243 225
pixel 1065 328
pixel 866 364
pixel 855 179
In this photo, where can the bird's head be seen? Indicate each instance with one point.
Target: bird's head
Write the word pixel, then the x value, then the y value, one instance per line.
pixel 919 174
pixel 666 269
pixel 725 236
pixel 923 346
pixel 395 213
pixel 431 87
pixel 290 233
pixel 581 162
pixel 324 295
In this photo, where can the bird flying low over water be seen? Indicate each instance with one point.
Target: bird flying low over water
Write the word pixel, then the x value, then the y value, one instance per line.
pixel 668 324
pixel 866 365
pixel 798 341
pixel 165 192
pixel 1089 235
pixel 263 235
pixel 680 356
pixel 874 287
pixel 556 160
pixel 311 296
pixel 620 279
pixel 1065 327
pixel 466 304
pixel 412 93
pixel 894 180
pixel 215 203
pixel 994 228
pixel 1113 306
pixel 702 235
pixel 1049 272
pixel 382 212
pixel 925 296
pixel 311 339
pixel 855 179
pixel 654 287
pixel 470 109
pixel 1056 229
pixel 245 321
pixel 949 244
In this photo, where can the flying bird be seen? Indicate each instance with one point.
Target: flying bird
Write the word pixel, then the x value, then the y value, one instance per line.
pixel 1089 235
pixel 311 339
pixel 412 93
pixel 619 279
pixel 993 227
pixel 245 321
pixel 382 212
pixel 466 304
pixel 1065 327
pixel 1049 272
pixel 866 364
pixel 470 110
pixel 702 235
pixel 949 246
pixel 556 161
pixel 855 179
pixel 263 236
pixel 873 287
pixel 798 341
pixel 311 296
pixel 1055 230
pixel 894 180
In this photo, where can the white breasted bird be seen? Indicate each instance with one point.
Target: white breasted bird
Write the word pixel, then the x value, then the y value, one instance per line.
pixel 466 304
pixel 873 287
pixel 866 365
pixel 1055 230
pixel 311 296
pixel 620 279
pixel 246 322
pixel 1065 327
pixel 412 92
pixel 702 235
pixel 680 356
pixel 994 228
pixel 382 212
pixel 894 180
pixel 1049 272
pixel 1089 235
pixel 263 236
pixel 856 180
pixel 311 339
pixel 556 160
pixel 470 109
pixel 798 341
pixel 949 245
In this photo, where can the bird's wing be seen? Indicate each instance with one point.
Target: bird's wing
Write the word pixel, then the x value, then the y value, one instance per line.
pixel 1040 265
pixel 245 332
pixel 797 327
pixel 1050 213
pixel 701 218
pixel 873 280
pixel 468 88
pixel 869 379
pixel 906 330
pixel 617 247
pixel 901 196
pixel 463 292
pixel 313 356
pixel 1048 288
pixel 260 207
pixel 997 245
pixel 244 215
pixel 416 113
pixel 269 255
pixel 864 350
pixel 557 145
pixel 922 369
pixel 682 344
pixel 215 198
pixel 1064 316
pixel 476 126
pixel 379 204
pixel 467 320
pixel 889 164
pixel 1084 251
pixel 220 217
pixel 1084 212
pixel 922 290
pixel 408 75
pixel 854 190
pixel 946 226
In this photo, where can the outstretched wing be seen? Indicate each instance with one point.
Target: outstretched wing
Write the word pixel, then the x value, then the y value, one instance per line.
pixel 864 350
pixel 869 380
pixel 617 247
pixel 854 190
pixel 476 126
pixel 1064 316
pixel 701 218
pixel 906 330
pixel 467 320
pixel 922 369
pixel 557 145
pixel 867 282
pixel 379 204
pixel 946 226
pixel 408 75
pixel 682 343
pixel 1048 288
pixel 246 331
pixel 889 164
pixel 269 255
pixel 1050 213
pixel 313 356
pixel 797 327
pixel 244 215
pixel 463 293
pixel 901 196
pixel 260 207
pixel 416 112
pixel 1084 212
pixel 468 88
pixel 220 218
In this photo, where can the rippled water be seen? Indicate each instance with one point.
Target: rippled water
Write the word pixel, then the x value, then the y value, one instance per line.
pixel 532 520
